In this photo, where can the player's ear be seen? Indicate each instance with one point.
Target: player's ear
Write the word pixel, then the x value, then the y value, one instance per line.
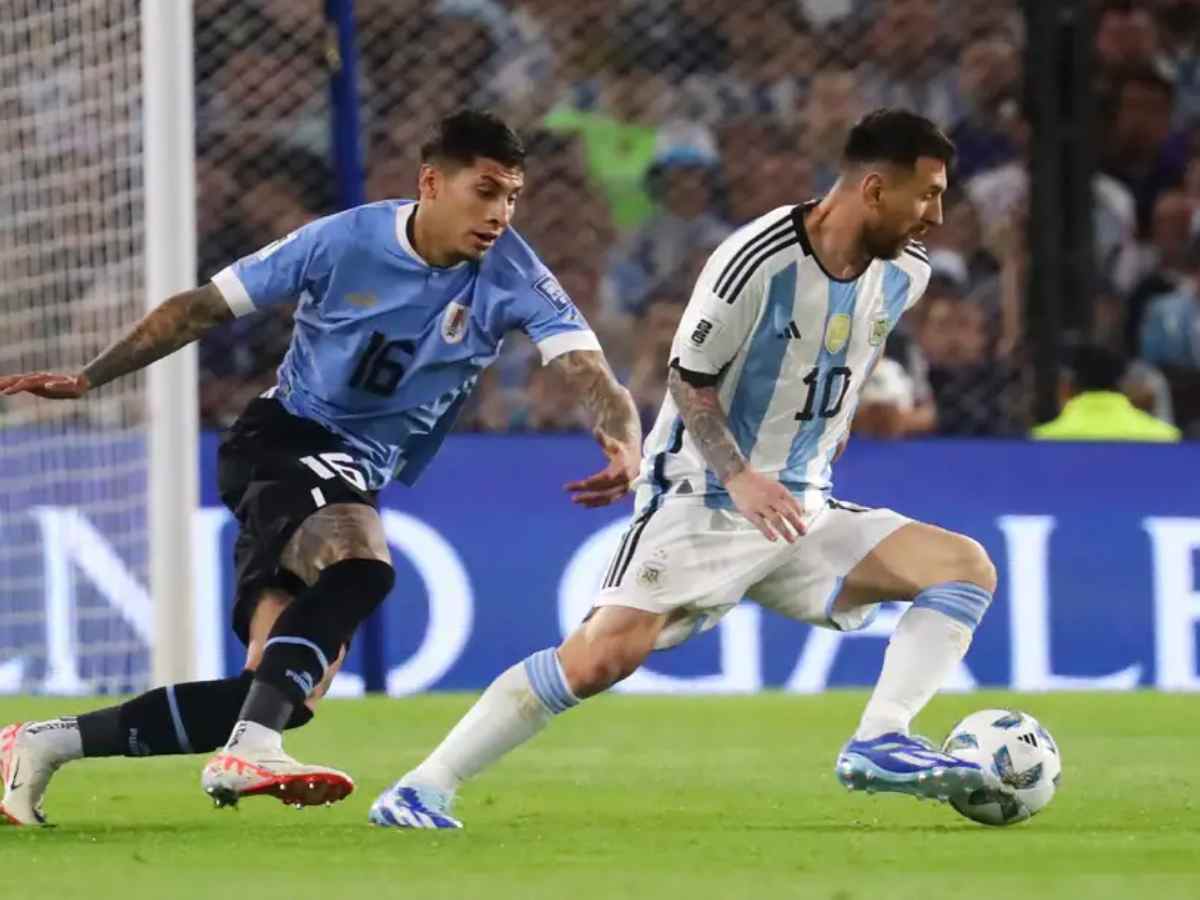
pixel 872 189
pixel 428 181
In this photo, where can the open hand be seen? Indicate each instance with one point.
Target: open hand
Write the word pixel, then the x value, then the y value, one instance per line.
pixel 50 385
pixel 613 481
pixel 768 505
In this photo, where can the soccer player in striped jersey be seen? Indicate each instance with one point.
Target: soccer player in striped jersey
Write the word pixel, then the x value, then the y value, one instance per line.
pixel 735 494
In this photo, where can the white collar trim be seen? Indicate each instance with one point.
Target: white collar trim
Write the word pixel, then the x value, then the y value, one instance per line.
pixel 403 214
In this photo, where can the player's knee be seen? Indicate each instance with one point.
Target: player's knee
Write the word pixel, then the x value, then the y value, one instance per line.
pixel 972 564
pixel 601 670
pixel 359 585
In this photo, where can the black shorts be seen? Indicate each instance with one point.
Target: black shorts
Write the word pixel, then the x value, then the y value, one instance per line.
pixel 274 470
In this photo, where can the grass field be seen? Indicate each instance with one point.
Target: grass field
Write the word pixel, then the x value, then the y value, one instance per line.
pixel 637 797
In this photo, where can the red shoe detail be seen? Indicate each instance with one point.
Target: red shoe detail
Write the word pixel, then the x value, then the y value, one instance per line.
pixel 305 790
pixel 8 740
pixel 9 818
pixel 310 789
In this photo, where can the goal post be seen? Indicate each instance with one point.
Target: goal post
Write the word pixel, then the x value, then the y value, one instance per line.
pixel 168 160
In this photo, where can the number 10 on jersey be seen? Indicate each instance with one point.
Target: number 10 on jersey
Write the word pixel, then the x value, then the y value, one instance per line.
pixel 836 380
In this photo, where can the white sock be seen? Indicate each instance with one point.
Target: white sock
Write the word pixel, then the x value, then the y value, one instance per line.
pixel 248 735
pixel 60 738
pixel 930 640
pixel 514 708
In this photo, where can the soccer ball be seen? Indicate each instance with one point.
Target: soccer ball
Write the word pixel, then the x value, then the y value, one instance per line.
pixel 1018 749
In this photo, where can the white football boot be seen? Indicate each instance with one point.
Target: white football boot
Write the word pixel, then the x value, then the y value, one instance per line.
pixel 26 765
pixel 258 771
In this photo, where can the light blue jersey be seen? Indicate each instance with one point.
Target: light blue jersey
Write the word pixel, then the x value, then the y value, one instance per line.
pixel 386 348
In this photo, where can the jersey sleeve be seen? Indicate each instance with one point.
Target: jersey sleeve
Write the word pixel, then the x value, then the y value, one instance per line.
pixel 547 315
pixel 282 270
pixel 720 314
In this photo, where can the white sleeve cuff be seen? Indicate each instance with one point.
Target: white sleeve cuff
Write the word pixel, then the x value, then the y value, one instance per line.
pixel 566 341
pixel 233 291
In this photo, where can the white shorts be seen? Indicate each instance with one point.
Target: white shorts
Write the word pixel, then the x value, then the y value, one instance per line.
pixel 694 564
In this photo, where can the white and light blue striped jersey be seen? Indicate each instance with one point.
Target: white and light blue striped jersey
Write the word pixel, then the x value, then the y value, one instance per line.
pixel 386 348
pixel 788 347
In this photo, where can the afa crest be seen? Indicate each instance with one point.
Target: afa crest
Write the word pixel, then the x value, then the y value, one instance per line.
pixel 837 332
pixel 879 331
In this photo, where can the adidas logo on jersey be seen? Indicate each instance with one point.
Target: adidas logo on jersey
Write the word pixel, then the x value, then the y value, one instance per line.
pixel 791 333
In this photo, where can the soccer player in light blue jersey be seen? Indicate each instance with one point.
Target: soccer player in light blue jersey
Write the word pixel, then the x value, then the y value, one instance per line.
pixel 401 305
pixel 735 498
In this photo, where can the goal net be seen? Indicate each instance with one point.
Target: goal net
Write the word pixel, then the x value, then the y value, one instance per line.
pixel 75 614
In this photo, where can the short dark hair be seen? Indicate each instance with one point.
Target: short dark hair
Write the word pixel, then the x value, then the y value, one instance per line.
pixel 896 136
pixel 468 134
pixel 1096 368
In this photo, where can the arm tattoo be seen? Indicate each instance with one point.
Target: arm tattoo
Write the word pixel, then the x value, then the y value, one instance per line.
pixel 173 324
pixel 610 405
pixel 708 426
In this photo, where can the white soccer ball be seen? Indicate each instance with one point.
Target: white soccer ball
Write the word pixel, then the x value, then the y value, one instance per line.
pixel 1016 747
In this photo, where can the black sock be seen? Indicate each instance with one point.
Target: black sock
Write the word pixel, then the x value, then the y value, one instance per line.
pixel 204 713
pixel 309 634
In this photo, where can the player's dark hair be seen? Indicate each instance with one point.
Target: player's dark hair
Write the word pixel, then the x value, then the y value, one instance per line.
pixel 896 136
pixel 1095 368
pixel 468 134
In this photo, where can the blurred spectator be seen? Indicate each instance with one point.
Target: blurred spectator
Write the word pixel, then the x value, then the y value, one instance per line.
pixel 999 193
pixel 1165 261
pixel 1140 149
pixel 890 406
pixel 972 385
pixel 1093 407
pixel 1170 331
pixel 1126 39
pixel 1179 54
pixel 903 67
pixel 835 103
pixel 619 143
pixel 1147 389
pixel 989 82
pixel 654 332
pixel 549 404
pixel 770 52
pixel 682 180
pixel 762 168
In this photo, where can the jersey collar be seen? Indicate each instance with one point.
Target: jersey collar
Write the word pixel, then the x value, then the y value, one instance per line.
pixel 404 213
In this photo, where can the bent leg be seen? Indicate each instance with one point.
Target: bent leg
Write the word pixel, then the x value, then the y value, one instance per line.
pixel 340 551
pixel 949 579
pixel 522 701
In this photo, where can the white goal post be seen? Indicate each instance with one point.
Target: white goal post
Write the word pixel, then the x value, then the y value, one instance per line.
pixel 97 222
pixel 168 155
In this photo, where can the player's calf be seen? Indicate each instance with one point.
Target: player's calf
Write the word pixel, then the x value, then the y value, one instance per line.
pixel 515 708
pixel 307 636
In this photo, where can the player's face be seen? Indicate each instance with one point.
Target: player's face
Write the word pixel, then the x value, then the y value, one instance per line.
pixel 476 205
pixel 902 206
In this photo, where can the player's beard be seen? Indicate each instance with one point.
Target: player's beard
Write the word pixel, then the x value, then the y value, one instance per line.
pixel 883 244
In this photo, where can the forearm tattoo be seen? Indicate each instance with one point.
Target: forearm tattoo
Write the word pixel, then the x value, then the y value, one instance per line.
pixel 611 406
pixel 173 324
pixel 708 425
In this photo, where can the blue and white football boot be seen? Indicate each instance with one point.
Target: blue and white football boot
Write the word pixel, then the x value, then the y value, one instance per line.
pixel 902 764
pixel 411 806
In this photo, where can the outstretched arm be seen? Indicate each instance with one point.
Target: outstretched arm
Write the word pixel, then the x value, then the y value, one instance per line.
pixel 175 323
pixel 764 501
pixel 614 423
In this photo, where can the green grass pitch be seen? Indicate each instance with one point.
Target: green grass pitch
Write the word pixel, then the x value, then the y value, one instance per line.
pixel 656 797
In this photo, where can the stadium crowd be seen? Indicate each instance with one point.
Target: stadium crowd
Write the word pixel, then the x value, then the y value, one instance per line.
pixel 657 127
